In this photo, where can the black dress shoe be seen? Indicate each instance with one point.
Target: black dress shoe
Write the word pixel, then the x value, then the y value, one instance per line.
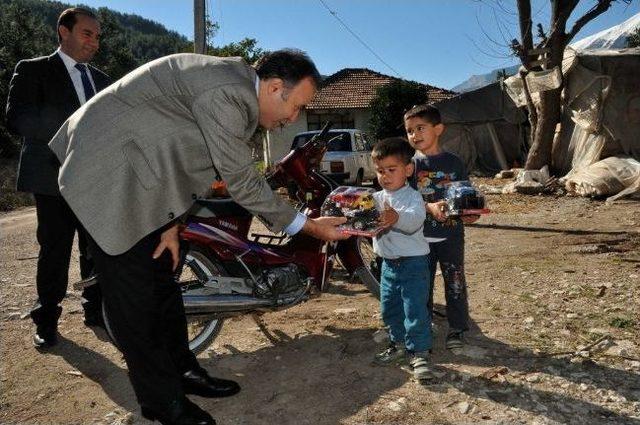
pixel 45 337
pixel 198 382
pixel 180 412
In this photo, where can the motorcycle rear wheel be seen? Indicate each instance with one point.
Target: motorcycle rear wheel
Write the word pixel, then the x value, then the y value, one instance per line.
pixel 199 265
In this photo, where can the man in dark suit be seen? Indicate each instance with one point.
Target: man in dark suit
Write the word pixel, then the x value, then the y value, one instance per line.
pixel 43 93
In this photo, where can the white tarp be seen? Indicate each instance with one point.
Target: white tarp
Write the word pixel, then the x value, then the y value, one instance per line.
pixel 611 176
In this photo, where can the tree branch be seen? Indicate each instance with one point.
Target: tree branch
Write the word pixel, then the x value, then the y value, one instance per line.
pixel 597 10
pixel 526 34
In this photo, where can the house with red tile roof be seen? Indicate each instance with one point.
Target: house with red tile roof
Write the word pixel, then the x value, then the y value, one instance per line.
pixel 344 98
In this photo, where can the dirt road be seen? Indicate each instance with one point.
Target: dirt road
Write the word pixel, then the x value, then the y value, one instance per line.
pixel 554 294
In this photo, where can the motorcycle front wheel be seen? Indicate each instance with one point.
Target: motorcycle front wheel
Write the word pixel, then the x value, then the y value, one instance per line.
pixel 198 267
pixel 369 274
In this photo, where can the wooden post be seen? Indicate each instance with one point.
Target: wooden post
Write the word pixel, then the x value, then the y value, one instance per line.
pixel 199 27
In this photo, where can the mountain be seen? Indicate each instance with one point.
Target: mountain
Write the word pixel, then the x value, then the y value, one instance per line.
pixel 612 38
pixel 477 81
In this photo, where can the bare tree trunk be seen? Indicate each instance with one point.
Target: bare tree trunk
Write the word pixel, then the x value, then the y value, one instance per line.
pixel 548 117
pixel 548 111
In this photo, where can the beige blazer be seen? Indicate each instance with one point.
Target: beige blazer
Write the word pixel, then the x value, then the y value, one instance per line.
pixel 139 153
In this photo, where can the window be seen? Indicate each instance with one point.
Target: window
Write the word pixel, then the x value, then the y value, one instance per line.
pixel 359 142
pixel 341 141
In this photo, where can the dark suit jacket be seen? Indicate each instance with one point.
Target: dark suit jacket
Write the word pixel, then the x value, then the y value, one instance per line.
pixel 41 97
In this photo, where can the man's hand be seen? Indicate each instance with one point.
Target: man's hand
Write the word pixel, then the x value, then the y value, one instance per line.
pixel 388 217
pixel 468 219
pixel 436 209
pixel 324 228
pixel 169 240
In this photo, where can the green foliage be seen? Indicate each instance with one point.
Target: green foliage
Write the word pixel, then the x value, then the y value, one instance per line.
pixel 28 30
pixel 246 48
pixel 633 40
pixel 390 104
pixel 22 35
pixel 621 322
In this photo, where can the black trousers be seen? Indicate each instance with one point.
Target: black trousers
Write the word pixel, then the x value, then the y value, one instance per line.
pixel 450 255
pixel 57 226
pixel 145 311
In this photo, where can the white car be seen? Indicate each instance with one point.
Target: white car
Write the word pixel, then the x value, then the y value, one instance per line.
pixel 348 158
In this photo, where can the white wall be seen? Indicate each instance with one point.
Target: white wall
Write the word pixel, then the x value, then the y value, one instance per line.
pixel 361 120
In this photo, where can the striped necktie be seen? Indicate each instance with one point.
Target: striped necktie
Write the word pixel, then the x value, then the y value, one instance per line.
pixel 86 84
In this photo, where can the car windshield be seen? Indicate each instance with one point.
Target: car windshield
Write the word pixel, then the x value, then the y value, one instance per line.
pixel 342 143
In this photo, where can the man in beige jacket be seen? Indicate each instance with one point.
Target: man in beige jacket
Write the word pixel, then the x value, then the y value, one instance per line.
pixel 134 159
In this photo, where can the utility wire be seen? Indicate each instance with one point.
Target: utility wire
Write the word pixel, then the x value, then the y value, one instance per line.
pixel 335 15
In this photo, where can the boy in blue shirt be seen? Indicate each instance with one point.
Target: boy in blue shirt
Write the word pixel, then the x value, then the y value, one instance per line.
pixel 405 268
pixel 434 169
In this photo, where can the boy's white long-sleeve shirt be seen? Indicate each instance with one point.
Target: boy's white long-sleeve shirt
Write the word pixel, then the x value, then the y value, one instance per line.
pixel 403 239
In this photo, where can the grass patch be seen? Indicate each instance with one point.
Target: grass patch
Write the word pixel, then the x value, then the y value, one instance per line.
pixel 622 322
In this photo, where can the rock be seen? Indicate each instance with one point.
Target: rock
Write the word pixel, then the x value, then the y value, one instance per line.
pixel 494 372
pixel 529 320
pixel 464 407
pixel 621 348
pixel 381 336
pixel 345 310
pixel 584 387
pixel 397 405
pixel 506 174
pixel 571 316
pixel 473 352
pixel 127 419
pixel 533 378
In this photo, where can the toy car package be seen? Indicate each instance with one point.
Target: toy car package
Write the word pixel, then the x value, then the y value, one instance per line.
pixel 358 206
pixel 464 199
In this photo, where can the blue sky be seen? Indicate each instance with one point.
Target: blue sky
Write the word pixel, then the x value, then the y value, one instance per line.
pixel 438 42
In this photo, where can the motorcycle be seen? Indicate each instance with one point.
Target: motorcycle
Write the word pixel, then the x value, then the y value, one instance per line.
pixel 226 272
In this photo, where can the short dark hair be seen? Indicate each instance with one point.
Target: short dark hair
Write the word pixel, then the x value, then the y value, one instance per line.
pixel 393 146
pixel 68 18
pixel 290 65
pixel 429 113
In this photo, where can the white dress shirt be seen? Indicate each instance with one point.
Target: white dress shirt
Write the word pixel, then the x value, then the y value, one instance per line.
pixel 76 76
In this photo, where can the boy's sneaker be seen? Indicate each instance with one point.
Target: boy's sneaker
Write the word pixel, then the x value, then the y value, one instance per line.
pixel 454 340
pixel 421 367
pixel 392 355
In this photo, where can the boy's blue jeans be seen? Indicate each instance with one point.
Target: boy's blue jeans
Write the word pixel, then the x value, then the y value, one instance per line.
pixel 404 290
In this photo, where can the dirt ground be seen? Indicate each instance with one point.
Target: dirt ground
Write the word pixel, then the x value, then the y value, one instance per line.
pixel 554 295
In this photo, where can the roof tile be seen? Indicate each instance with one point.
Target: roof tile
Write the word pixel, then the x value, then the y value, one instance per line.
pixel 356 88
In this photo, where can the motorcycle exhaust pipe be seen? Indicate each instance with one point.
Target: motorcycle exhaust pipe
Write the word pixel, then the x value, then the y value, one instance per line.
pixel 211 304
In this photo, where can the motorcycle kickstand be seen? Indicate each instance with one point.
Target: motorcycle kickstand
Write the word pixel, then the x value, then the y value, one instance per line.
pixel 275 340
